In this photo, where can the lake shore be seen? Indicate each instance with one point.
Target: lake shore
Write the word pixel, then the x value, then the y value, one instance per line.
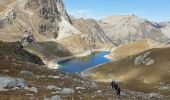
pixel 55 64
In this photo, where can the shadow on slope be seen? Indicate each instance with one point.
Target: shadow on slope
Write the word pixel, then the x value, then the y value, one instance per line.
pixel 15 51
pixel 48 51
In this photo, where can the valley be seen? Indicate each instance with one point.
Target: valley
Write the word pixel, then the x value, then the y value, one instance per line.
pixel 46 54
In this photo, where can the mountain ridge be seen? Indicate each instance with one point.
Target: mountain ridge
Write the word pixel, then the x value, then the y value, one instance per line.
pixel 126 28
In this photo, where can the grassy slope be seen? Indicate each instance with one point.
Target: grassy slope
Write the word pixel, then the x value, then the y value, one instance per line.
pixel 137 77
pixel 133 48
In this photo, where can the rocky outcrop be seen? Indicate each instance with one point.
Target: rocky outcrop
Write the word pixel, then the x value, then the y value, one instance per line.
pixel 124 29
pixel 8 83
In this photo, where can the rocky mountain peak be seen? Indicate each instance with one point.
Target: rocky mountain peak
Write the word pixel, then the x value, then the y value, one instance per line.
pixel 48 9
pixel 45 20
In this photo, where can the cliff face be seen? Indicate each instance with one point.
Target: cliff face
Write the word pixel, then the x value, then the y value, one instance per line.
pixel 49 15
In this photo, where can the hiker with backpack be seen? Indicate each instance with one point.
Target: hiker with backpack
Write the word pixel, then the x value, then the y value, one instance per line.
pixel 116 88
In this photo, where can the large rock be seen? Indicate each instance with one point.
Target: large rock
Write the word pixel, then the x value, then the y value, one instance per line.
pixel 8 82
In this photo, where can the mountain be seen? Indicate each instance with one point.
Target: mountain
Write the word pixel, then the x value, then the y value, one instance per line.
pixel 35 23
pixel 123 29
pixel 45 29
pixel 43 19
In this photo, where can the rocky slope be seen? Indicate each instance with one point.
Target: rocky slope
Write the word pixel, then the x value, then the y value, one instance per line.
pixel 23 76
pixel 123 29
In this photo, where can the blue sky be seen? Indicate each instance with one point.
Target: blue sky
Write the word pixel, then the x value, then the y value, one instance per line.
pixel 155 10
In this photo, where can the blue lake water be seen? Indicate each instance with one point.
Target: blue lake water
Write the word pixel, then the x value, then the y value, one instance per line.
pixel 78 65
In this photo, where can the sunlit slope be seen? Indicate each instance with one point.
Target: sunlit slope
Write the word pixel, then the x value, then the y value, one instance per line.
pixel 151 66
pixel 133 48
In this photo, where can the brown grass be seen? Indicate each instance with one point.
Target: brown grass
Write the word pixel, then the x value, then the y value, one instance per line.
pixel 132 48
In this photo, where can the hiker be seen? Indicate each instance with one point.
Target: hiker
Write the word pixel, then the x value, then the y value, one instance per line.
pixel 114 85
pixel 118 90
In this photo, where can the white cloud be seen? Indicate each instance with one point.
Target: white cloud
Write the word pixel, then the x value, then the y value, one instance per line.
pixel 82 14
